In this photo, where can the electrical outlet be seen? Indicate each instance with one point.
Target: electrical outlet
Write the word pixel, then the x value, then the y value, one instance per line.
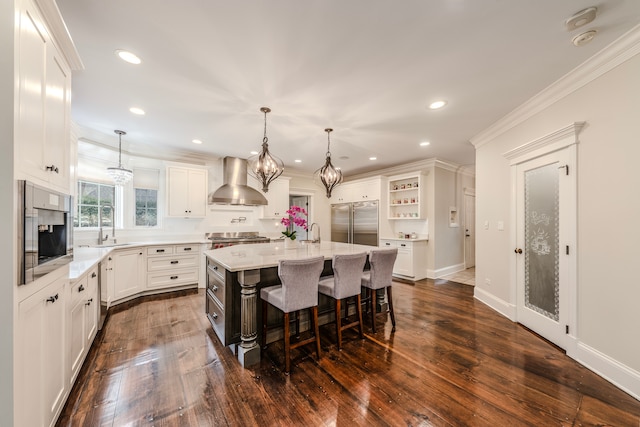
pixel 487 281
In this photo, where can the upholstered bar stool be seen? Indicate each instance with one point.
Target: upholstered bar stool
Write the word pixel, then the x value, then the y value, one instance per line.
pixel 380 277
pixel 298 291
pixel 345 283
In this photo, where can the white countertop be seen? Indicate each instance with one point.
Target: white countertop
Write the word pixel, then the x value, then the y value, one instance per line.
pixel 263 255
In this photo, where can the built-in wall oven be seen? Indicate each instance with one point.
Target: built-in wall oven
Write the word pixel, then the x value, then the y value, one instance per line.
pixel 45 231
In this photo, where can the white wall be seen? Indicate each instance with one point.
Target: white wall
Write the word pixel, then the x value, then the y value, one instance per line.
pixel 8 264
pixel 607 223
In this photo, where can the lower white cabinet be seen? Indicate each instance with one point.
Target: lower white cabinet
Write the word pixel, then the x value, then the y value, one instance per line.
pixel 411 262
pixel 172 265
pixel 82 320
pixel 41 374
pixel 128 272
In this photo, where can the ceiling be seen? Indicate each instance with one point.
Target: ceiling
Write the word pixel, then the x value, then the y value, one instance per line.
pixel 366 68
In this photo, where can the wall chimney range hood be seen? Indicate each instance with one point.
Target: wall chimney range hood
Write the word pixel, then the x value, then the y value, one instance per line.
pixel 235 190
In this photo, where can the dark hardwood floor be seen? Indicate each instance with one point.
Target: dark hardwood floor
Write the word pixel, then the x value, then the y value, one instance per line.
pixel 452 361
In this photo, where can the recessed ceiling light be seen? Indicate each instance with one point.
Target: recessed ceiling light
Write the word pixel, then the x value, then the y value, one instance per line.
pixel 298 161
pixel 584 38
pixel 129 57
pixel 373 158
pixel 253 153
pixel 424 143
pixel 196 141
pixel 437 104
pixel 138 111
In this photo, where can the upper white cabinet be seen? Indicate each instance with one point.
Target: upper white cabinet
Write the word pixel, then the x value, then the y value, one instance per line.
pixel 44 102
pixel 357 191
pixel 406 197
pixel 187 192
pixel 277 199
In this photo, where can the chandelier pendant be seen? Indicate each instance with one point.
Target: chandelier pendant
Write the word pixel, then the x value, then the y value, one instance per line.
pixel 265 167
pixel 120 175
pixel 329 175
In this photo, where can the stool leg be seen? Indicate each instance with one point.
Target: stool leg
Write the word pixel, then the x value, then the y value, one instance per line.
pixel 298 324
pixel 374 294
pixel 287 345
pixel 393 316
pixel 338 324
pixel 359 313
pixel 264 323
pixel 317 329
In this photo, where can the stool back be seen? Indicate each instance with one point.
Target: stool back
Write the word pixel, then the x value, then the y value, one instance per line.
pixel 382 261
pixel 299 278
pixel 347 274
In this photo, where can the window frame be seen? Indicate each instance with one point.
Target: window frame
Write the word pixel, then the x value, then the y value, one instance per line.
pixel 116 207
pixel 135 207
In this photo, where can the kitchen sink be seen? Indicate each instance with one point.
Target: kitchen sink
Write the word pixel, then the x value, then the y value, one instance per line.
pixel 112 245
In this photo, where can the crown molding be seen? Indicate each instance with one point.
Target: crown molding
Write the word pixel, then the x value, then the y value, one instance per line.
pixel 557 140
pixel 619 51
pixel 61 36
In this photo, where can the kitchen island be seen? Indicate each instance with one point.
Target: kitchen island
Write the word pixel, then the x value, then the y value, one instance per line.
pixel 236 274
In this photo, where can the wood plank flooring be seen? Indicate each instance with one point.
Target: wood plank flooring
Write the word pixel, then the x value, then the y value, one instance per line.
pixel 451 362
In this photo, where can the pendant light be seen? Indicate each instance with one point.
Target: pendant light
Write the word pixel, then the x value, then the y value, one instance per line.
pixel 265 167
pixel 329 175
pixel 120 175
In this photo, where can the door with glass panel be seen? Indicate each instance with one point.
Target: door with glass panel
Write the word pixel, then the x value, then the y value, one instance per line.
pixel 544 196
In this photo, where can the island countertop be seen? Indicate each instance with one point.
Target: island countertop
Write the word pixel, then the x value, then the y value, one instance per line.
pixel 264 255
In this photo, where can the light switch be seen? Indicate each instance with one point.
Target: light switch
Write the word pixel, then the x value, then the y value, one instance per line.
pixel 500 225
pixel 486 225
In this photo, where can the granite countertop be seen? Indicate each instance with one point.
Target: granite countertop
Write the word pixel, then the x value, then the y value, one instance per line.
pixel 263 255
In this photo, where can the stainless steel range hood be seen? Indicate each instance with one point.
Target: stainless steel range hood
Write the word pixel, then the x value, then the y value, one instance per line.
pixel 235 190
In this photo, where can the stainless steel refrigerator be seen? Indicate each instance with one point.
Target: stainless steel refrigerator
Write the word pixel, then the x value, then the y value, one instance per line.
pixel 355 223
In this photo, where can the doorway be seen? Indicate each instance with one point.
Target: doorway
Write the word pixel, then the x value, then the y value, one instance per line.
pixel 303 202
pixel 545 243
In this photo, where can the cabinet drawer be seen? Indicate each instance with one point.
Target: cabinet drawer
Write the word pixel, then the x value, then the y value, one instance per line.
pixel 186 249
pixel 215 269
pixel 79 290
pixel 160 250
pixel 215 313
pixel 171 262
pixel 174 278
pixel 216 288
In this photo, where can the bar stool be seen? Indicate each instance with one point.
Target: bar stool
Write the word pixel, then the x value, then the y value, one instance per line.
pixel 345 283
pixel 380 277
pixel 298 290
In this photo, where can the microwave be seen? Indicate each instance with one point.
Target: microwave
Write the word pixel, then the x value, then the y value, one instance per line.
pixel 45 231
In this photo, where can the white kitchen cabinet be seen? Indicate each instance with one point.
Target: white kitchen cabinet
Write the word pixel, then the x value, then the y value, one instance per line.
pixel 172 265
pixel 406 197
pixel 411 262
pixel 44 101
pixel 187 192
pixel 277 199
pixel 357 191
pixel 41 373
pixel 82 321
pixel 128 272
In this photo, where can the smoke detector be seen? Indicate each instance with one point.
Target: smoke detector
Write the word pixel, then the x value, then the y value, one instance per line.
pixel 581 18
pixel 584 38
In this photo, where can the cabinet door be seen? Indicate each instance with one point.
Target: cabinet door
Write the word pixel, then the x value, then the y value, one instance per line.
pixel 128 273
pixel 404 261
pixel 187 195
pixel 277 199
pixel 92 308
pixel 41 373
pixel 76 344
pixel 197 193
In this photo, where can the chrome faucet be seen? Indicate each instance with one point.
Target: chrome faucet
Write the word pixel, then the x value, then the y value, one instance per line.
pixel 311 230
pixel 101 237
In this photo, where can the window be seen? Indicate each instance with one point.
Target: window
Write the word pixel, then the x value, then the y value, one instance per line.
pixel 95 205
pixel 146 207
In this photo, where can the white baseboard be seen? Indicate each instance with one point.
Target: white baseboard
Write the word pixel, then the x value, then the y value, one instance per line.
pixel 503 307
pixel 447 270
pixel 620 375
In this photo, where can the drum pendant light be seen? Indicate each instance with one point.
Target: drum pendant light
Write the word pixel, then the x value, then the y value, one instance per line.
pixel 265 167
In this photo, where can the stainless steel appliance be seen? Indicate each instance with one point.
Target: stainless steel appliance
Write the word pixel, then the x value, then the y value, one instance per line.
pixel 45 231
pixel 230 238
pixel 355 223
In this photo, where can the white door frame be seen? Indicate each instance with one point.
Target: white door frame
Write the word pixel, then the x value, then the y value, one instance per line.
pixel 564 138
pixel 469 223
